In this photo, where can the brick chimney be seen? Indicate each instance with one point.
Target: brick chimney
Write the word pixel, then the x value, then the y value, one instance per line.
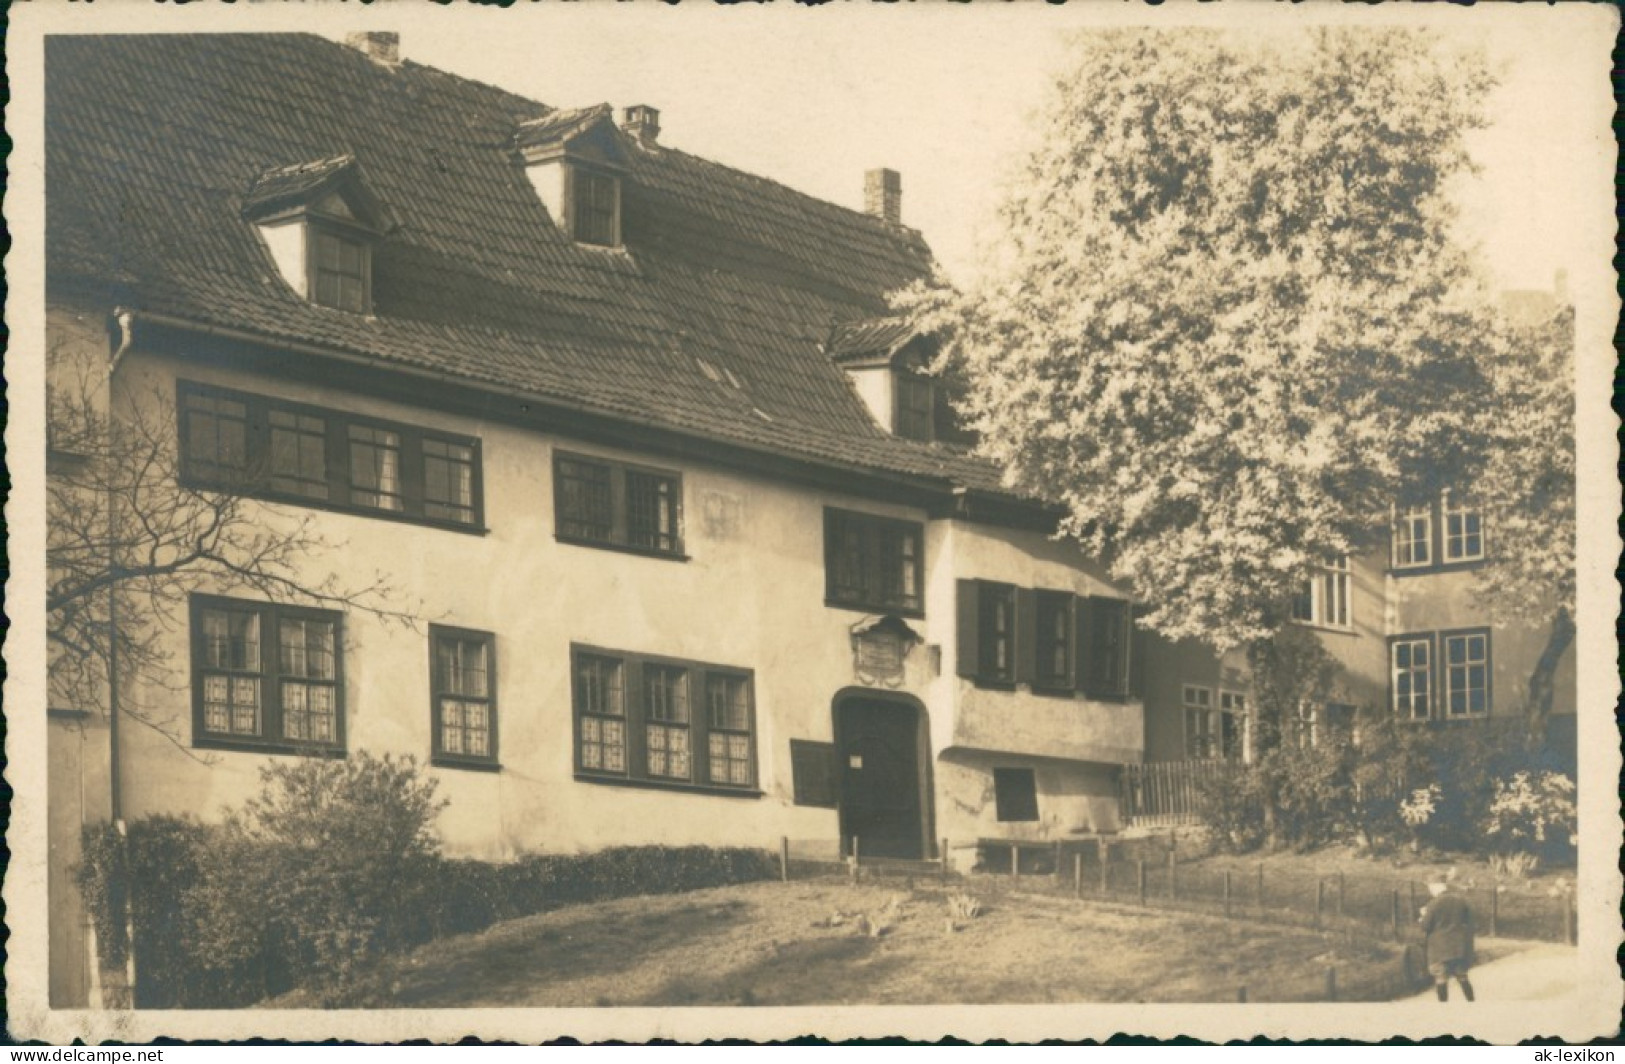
pixel 883 195
pixel 642 121
pixel 380 47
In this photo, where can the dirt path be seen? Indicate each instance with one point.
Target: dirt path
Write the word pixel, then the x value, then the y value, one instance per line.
pixel 1532 971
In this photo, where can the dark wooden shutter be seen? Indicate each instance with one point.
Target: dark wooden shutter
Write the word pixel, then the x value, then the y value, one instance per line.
pixel 1138 640
pixel 812 772
pixel 969 635
pixel 1105 668
pixel 1081 633
pixel 1015 794
pixel 1025 644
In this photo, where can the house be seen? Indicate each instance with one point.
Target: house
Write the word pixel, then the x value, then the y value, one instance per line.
pixel 690 547
pixel 1408 632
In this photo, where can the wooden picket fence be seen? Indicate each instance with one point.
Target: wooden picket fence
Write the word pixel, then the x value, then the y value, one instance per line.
pixel 1165 793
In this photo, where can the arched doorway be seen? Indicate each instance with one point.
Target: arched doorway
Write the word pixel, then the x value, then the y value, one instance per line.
pixel 882 756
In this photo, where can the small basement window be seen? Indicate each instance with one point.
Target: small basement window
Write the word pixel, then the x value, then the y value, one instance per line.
pixel 1015 794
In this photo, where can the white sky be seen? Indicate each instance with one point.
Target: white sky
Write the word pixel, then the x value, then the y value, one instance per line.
pixel 813 97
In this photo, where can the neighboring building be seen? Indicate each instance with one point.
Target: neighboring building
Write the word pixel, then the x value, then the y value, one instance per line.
pixel 700 556
pixel 1404 624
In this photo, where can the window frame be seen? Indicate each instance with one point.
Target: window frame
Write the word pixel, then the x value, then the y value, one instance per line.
pixel 1012 802
pixel 574 205
pixel 908 420
pixel 1048 605
pixel 1446 512
pixel 1413 639
pixel 1403 518
pixel 317 227
pixel 635 719
pixel 1337 573
pixel 270 676
pixel 258 470
pixel 873 531
pixel 619 476
pixel 990 594
pixel 438 755
pixel 1443 667
pixel 1438 513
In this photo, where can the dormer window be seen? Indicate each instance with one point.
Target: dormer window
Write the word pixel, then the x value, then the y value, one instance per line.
pixel 595 208
pixel 340 271
pixel 320 225
pixel 575 161
pixel 916 405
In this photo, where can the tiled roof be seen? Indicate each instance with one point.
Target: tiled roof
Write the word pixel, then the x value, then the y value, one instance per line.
pixel 154 141
pixel 869 338
pixel 290 184
pixel 559 125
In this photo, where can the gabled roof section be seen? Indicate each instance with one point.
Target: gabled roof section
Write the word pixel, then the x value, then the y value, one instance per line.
pixel 587 133
pixel 157 143
pixel 871 341
pixel 279 190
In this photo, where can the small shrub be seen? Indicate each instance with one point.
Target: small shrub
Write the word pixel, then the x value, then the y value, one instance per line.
pixel 964 906
pixel 1514 865
pixel 1532 815
pixel 103 881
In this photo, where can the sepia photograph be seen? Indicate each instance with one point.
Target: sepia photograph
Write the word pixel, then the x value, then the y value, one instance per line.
pixel 989 521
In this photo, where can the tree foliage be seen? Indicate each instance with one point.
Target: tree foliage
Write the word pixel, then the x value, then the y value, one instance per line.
pixel 1228 323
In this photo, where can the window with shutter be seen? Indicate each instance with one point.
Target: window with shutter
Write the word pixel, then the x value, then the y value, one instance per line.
pixel 1106 667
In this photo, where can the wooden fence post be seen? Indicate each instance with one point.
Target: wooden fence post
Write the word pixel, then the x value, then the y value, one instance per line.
pixel 1105 867
pixel 944 860
pixel 1261 886
pixel 1173 876
pixel 784 858
pixel 1340 885
pixel 1396 916
pixel 1141 864
pixel 1320 899
pixel 1331 984
pixel 1495 909
pixel 1227 893
pixel 854 866
pixel 1077 874
pixel 1411 883
pixel 1241 994
pixel 1015 860
pixel 1568 919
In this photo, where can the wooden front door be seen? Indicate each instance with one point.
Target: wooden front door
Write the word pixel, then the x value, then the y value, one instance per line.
pixel 878 759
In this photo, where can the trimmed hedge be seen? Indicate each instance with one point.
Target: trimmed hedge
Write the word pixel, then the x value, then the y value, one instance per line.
pixel 185 904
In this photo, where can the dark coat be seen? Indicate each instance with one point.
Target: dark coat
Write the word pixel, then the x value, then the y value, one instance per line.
pixel 1448 923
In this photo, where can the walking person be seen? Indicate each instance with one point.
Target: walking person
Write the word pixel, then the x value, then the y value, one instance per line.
pixel 1447 921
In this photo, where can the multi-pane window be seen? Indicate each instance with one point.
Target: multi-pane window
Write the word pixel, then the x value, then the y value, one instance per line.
pixel 1411 679
pixel 265 674
pixel 288 451
pixel 448 481
pixel 339 271
pixel 915 409
pixel 1413 538
pixel 1326 600
pixel 1463 529
pixel 375 468
pixel 1232 723
pixel 595 205
pixel 1466 674
pixel 1199 737
pixel 1054 642
pixel 602 503
pixel 1447 531
pixel 298 454
pixel 215 431
pixel 997 629
pixel 665 705
pixel 600 699
pixel 873 563
pixel 663 722
pixel 729 747
pixel 462 677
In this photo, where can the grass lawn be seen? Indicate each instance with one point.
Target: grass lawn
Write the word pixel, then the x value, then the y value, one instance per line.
pixel 807 942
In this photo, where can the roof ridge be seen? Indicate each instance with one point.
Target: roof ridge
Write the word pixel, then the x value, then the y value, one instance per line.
pixel 863 218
